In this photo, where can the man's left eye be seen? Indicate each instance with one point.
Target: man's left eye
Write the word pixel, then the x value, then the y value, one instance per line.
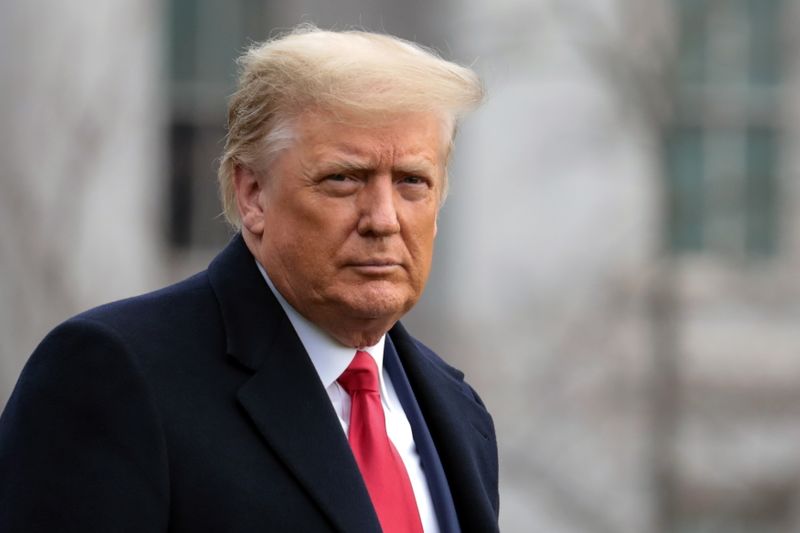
pixel 413 180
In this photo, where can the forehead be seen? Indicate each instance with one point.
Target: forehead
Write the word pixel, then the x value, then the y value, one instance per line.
pixel 408 136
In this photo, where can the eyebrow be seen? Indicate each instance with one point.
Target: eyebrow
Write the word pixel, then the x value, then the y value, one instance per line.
pixel 345 164
pixel 417 166
pixel 410 165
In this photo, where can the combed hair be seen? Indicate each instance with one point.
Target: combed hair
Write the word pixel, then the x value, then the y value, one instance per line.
pixel 356 73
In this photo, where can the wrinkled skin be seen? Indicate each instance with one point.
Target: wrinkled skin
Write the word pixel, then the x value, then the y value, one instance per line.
pixel 344 219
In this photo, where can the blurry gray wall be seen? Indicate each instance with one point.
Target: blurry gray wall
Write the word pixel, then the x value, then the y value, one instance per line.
pixel 81 163
pixel 642 377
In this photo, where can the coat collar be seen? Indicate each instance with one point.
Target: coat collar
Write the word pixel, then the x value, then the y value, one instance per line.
pixel 284 397
pixel 460 428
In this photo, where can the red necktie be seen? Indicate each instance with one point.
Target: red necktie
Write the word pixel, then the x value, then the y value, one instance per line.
pixel 380 464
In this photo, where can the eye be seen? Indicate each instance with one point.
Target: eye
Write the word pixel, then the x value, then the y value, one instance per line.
pixel 415 187
pixel 413 180
pixel 339 184
pixel 339 180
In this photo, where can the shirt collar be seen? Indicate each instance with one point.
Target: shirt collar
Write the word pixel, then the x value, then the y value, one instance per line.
pixel 329 357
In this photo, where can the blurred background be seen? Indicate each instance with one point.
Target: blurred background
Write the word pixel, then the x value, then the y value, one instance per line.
pixel 615 264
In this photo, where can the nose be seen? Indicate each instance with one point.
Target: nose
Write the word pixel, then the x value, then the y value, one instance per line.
pixel 377 208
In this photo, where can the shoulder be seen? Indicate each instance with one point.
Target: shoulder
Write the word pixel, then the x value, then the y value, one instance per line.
pixel 192 296
pixel 408 344
pixel 124 321
pixel 412 346
pixel 185 308
pixel 138 334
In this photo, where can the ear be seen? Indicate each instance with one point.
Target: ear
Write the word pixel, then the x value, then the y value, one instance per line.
pixel 249 199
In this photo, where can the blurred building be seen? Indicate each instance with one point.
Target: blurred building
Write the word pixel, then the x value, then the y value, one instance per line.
pixel 615 264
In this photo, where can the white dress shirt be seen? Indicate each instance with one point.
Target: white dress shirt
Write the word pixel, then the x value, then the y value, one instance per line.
pixel 330 359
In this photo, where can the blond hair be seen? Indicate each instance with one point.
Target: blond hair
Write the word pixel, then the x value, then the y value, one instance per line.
pixel 356 72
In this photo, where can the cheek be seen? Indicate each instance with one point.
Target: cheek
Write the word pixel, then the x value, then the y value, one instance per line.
pixel 424 225
pixel 420 243
pixel 306 249
pixel 298 224
pixel 311 247
pixel 286 236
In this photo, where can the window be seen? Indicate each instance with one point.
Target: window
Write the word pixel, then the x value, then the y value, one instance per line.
pixel 722 149
pixel 205 37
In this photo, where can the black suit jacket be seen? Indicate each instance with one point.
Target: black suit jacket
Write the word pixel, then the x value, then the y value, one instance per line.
pixel 197 409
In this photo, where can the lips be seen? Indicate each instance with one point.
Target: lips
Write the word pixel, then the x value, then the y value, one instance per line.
pixel 375 267
pixel 375 263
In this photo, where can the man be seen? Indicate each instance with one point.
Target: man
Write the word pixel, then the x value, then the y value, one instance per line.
pixel 277 390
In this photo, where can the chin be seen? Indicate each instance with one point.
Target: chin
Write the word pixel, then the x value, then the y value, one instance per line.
pixel 378 303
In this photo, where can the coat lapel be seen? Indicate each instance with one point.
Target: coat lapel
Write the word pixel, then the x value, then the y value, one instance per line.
pixel 461 430
pixel 284 396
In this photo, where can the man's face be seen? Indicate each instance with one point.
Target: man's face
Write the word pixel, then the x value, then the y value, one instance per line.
pixel 349 219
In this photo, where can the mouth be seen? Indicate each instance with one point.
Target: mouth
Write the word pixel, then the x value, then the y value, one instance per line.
pixel 375 267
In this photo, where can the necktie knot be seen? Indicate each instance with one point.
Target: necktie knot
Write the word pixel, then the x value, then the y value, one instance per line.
pixel 361 375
